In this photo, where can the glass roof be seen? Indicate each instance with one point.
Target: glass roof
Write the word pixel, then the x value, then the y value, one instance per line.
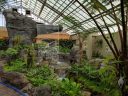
pixel 55 11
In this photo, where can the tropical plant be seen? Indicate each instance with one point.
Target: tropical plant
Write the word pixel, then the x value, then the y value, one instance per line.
pixel 79 30
pixel 11 52
pixel 3 44
pixel 66 87
pixel 16 65
pixel 63 49
pixel 41 75
pixel 119 54
pixel 2 53
pixel 66 43
pixel 30 60
pixel 70 88
pixel 96 80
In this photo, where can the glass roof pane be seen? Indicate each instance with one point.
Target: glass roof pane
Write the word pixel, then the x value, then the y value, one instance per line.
pixel 74 10
pixel 89 25
pixel 58 20
pixel 44 12
pixel 37 7
pixel 12 3
pixel 51 2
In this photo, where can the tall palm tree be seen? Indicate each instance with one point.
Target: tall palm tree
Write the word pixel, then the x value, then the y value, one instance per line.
pixel 122 53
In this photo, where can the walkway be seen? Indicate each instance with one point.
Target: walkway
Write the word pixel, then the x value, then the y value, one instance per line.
pixel 7 90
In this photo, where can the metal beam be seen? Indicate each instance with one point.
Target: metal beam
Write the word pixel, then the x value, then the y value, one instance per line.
pixel 62 11
pixel 42 7
pixel 52 8
pixel 97 16
pixel 35 6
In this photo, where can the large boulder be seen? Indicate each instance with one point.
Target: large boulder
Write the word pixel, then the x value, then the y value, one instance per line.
pixel 18 24
pixel 44 90
pixel 86 93
pixel 15 78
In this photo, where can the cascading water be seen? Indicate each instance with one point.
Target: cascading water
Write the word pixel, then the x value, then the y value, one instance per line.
pixel 51 54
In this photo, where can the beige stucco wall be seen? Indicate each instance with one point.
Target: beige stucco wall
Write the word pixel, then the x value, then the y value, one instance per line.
pixel 104 50
pixel 89 46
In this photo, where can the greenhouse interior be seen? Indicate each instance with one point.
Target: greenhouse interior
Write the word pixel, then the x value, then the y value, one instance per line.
pixel 63 47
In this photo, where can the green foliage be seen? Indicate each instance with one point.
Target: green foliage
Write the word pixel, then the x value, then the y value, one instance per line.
pixel 11 52
pixel 70 88
pixel 65 87
pixel 3 43
pixel 65 46
pixel 63 49
pixel 85 70
pixel 55 86
pixel 66 43
pixel 16 65
pixel 107 75
pixel 99 87
pixel 97 80
pixel 2 53
pixel 39 76
pixel 41 45
pixel 30 56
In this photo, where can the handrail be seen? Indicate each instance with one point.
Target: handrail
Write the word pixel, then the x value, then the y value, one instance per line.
pixel 13 88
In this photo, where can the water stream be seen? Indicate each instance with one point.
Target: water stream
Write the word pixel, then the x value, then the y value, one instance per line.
pixel 52 55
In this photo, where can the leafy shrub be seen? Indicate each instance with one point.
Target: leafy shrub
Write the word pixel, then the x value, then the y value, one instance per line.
pixel 64 49
pixel 55 86
pixel 41 45
pixel 70 88
pixel 66 43
pixel 11 52
pixel 85 70
pixel 16 65
pixel 39 76
pixel 97 80
pixel 107 75
pixel 65 87
pixel 2 53
pixel 3 44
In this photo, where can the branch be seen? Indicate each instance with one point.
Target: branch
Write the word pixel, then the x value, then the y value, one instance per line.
pixel 124 29
pixel 110 34
pixel 118 26
pixel 99 29
pixel 127 24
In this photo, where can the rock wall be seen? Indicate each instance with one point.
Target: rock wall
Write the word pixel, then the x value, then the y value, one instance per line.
pixel 18 24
